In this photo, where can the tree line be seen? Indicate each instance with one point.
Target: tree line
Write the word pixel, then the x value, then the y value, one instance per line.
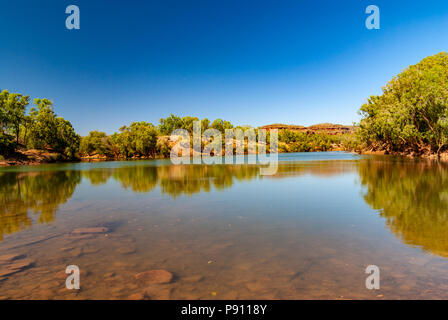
pixel 411 116
pixel 40 128
pixel 143 139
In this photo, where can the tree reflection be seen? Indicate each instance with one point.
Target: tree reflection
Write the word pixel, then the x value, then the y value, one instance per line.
pixel 39 192
pixel 42 192
pixel 412 197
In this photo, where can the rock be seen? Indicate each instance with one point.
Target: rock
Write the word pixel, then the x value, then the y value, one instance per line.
pixel 77 252
pixel 81 236
pixel 154 276
pixel 232 295
pixel 90 230
pixel 6 272
pixel 137 296
pixel 126 250
pixel 61 275
pixel 90 250
pixel 158 292
pixel 21 264
pixel 9 257
pixel 255 286
pixel 15 267
pixel 197 278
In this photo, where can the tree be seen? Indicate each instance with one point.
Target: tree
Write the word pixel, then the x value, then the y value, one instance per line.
pixel 170 124
pixel 50 131
pixel 96 143
pixel 205 124
pixel 411 114
pixel 15 112
pixel 187 123
pixel 12 112
pixel 221 125
pixel 139 139
pixel 145 138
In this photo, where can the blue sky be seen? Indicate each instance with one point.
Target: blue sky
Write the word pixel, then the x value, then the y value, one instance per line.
pixel 250 62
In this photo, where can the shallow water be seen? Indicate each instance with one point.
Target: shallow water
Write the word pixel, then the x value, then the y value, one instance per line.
pixel 225 232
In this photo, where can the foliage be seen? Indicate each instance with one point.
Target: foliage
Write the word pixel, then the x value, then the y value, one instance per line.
pixel 40 129
pixel 412 113
pixel 96 143
pixel 12 112
pixel 221 125
pixel 40 193
pixel 305 142
pixel 412 196
pixel 137 140
pixel 168 125
pixel 51 132
pixel 7 144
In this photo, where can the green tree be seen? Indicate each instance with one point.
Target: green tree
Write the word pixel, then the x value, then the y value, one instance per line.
pixel 145 138
pixel 96 143
pixel 50 131
pixel 205 124
pixel 221 125
pixel 170 124
pixel 412 113
pixel 139 139
pixel 13 106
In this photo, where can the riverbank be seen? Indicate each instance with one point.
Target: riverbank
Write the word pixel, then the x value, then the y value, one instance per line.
pixel 32 157
pixel 432 156
pixel 38 157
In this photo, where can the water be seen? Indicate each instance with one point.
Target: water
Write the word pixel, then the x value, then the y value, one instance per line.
pixel 225 232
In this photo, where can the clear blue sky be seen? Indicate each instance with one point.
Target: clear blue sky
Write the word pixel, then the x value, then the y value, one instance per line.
pixel 250 62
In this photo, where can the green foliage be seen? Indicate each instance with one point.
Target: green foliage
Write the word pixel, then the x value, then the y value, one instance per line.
pixel 51 132
pixel 37 193
pixel 221 125
pixel 306 142
pixel 137 140
pixel 7 144
pixel 96 143
pixel 163 148
pixel 12 114
pixel 40 129
pixel 412 196
pixel 412 113
pixel 168 125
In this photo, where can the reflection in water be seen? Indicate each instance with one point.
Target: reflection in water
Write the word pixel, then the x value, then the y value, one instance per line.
pixel 307 232
pixel 174 180
pixel 413 197
pixel 41 193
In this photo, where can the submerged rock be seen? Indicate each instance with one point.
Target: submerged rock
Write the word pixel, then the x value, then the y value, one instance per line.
pixel 197 278
pixel 154 276
pixel 9 257
pixel 11 266
pixel 158 292
pixel 90 230
pixel 127 249
pixel 137 296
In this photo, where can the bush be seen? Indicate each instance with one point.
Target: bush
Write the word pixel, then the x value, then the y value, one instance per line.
pixel 412 113
pixel 7 144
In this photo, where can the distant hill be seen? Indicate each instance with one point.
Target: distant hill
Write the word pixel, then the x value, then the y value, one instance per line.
pixel 329 128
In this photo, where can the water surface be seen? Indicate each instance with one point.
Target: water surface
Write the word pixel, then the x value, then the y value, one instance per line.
pixel 225 232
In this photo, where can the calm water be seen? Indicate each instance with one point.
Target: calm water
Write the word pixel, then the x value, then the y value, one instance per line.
pixel 225 232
